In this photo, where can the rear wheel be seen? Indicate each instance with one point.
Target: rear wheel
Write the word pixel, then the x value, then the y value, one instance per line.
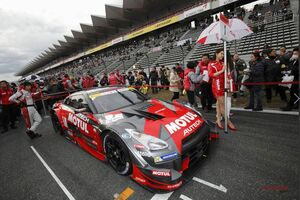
pixel 117 154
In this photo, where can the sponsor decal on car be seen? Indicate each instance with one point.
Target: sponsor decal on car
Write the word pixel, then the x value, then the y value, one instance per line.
pixel 139 179
pixel 78 122
pixel 161 173
pixel 113 118
pixel 169 156
pixel 126 135
pixel 157 159
pixel 184 121
pixel 144 154
pixel 175 185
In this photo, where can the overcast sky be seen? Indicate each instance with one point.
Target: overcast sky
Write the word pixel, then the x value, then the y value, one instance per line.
pixel 28 27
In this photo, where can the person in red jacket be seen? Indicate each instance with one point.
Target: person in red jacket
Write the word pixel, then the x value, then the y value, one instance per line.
pixel 190 78
pixel 113 79
pixel 8 111
pixel 216 70
pixel 67 83
pixel 204 90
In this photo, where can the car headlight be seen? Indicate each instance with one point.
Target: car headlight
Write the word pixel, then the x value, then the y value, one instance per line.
pixel 193 109
pixel 150 142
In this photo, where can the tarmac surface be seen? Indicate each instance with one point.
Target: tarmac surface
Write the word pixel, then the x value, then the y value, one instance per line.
pixel 259 161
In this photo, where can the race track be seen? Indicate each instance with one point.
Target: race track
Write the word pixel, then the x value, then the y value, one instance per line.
pixel 259 161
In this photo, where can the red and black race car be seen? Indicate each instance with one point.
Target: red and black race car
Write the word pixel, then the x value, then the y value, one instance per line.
pixel 153 141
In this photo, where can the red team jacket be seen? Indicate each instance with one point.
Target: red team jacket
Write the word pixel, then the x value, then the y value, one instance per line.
pixel 4 96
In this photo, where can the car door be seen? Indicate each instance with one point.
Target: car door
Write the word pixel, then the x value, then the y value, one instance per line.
pixel 79 121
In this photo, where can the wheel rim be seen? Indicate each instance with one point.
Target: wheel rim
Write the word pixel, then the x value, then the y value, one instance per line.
pixel 115 155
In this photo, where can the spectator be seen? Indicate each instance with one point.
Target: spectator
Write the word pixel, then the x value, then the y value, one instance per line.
pixel 67 83
pixel 256 75
pixel 104 80
pixel 113 79
pixel 190 78
pixel 205 85
pixel 8 110
pixel 130 78
pixel 239 65
pixel 174 84
pixel 52 89
pixel 153 77
pixel 272 70
pixel 294 91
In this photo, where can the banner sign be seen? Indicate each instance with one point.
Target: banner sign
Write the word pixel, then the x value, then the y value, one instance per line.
pixel 98 48
pixel 117 40
pixel 152 27
pixel 196 10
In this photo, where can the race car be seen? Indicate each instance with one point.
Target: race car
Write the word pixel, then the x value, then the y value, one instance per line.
pixel 153 141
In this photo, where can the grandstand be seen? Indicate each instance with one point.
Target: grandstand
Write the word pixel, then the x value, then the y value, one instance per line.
pixel 170 41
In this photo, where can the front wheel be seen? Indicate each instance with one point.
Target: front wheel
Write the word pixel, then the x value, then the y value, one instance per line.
pixel 117 154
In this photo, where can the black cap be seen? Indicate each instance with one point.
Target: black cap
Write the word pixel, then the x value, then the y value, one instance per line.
pixel 27 83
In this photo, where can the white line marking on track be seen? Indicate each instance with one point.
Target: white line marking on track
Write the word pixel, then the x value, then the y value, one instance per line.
pixel 183 197
pixel 61 185
pixel 165 196
pixel 220 188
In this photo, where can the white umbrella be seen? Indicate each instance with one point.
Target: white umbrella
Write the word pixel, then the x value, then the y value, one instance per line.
pixel 236 29
pixel 224 30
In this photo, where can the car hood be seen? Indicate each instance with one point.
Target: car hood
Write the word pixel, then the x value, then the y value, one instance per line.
pixel 167 121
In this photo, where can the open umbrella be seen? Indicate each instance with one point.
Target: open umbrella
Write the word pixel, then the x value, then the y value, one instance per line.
pixel 214 33
pixel 224 30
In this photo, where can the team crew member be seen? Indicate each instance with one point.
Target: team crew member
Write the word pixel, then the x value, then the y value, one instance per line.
pixel 190 78
pixel 31 116
pixel 205 85
pixel 216 70
pixel 8 110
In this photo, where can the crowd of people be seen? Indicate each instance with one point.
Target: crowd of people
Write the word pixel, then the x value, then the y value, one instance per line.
pixel 201 81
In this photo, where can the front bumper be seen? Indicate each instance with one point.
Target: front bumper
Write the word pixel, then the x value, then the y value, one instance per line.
pixel 177 171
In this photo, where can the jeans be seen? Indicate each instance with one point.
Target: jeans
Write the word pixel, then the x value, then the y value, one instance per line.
pixel 255 97
pixel 191 97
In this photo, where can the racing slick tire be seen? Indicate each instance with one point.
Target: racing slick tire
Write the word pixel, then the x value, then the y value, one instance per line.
pixel 56 124
pixel 117 154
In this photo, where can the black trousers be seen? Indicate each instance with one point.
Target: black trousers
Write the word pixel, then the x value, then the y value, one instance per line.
pixel 8 115
pixel 191 97
pixel 206 95
pixel 154 89
pixel 279 89
pixel 294 93
pixel 255 97
pixel 175 96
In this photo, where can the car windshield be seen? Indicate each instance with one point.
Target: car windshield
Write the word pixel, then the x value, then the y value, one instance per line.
pixel 115 99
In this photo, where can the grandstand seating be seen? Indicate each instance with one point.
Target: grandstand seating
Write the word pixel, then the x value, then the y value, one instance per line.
pixel 143 62
pixel 278 31
pixel 174 55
